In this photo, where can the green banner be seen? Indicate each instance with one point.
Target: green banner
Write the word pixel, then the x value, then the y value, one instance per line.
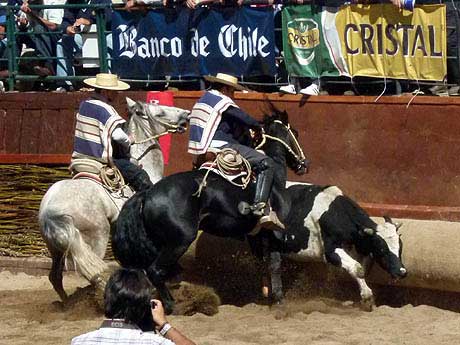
pixel 305 51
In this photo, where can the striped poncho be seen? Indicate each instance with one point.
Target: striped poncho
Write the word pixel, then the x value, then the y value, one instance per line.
pixel 96 120
pixel 205 118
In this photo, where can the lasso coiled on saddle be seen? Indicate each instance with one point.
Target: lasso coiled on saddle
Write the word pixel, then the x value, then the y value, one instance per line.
pixel 229 162
pixel 112 178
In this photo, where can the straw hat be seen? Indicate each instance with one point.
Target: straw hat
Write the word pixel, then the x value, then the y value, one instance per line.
pixel 226 79
pixel 106 81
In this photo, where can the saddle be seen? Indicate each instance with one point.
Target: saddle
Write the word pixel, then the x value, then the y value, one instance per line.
pixel 109 177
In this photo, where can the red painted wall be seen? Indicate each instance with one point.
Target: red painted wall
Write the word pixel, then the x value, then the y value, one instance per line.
pixel 394 158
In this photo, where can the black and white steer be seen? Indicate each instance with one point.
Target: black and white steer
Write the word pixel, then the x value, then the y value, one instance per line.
pixel 322 224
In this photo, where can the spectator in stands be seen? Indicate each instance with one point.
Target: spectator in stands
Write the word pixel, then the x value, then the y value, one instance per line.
pixel 313 89
pixel 453 69
pixel 131 315
pixel 453 62
pixel 3 51
pixel 40 24
pixel 74 21
pixel 3 41
pixel 139 4
pixel 21 24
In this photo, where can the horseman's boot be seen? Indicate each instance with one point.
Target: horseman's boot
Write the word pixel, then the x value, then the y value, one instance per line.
pixel 268 218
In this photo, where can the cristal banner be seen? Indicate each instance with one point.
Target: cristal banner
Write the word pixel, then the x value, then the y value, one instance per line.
pixel 191 43
pixel 375 40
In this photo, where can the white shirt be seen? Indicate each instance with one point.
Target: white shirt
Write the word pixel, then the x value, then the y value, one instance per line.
pixel 120 336
pixel 53 15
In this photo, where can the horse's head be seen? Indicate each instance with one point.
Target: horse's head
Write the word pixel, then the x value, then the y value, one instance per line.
pixel 284 137
pixel 152 119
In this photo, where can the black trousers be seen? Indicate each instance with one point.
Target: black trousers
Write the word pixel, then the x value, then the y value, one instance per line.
pixel 133 174
pixel 452 21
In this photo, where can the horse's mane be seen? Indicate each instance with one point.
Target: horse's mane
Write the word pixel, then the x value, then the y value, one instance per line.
pixel 272 113
pixel 136 124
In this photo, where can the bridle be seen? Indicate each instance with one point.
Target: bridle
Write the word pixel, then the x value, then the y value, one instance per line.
pixel 297 154
pixel 170 128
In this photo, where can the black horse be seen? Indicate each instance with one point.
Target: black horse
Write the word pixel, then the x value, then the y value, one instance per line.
pixel 156 227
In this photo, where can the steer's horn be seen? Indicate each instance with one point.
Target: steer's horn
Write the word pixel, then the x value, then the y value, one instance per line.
pixel 369 231
pixel 398 225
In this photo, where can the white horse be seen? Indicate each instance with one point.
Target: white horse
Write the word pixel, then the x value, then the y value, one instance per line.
pixel 76 215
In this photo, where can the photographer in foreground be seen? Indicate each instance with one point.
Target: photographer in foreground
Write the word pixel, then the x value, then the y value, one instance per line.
pixel 131 315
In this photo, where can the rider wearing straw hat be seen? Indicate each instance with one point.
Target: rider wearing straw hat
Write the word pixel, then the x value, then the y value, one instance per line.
pixel 99 135
pixel 217 122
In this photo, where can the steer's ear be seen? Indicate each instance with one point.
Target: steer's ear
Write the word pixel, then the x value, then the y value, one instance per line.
pixel 387 219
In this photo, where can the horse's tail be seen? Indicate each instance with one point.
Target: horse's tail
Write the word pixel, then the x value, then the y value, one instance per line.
pixel 62 236
pixel 131 245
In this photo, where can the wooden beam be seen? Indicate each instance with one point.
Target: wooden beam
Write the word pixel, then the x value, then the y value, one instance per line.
pixel 14 158
pixel 424 212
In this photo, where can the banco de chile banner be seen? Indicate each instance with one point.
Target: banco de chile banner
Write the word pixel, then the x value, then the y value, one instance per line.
pixel 365 40
pixel 191 43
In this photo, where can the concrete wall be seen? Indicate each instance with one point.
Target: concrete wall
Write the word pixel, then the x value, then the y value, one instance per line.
pixel 392 158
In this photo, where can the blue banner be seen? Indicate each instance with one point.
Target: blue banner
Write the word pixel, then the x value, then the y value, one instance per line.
pixel 192 43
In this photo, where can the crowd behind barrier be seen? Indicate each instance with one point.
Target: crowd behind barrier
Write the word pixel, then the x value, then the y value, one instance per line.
pixel 42 48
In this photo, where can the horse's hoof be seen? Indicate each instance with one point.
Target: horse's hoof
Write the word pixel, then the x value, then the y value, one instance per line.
pixel 367 305
pixel 279 309
pixel 58 305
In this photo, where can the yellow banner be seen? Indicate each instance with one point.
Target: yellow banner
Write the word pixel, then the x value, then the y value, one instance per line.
pixel 381 40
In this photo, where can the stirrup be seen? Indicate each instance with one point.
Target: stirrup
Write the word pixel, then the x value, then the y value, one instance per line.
pixel 259 209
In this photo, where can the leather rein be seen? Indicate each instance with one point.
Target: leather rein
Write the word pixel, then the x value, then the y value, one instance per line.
pixel 299 155
pixel 170 128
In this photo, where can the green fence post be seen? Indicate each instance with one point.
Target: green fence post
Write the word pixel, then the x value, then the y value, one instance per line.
pixel 11 46
pixel 102 39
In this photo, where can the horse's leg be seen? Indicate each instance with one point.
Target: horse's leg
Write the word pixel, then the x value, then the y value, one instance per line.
pixel 275 275
pixel 55 276
pixel 167 259
pixel 272 285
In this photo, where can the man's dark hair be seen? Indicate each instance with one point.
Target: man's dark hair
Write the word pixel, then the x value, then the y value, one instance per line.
pixel 217 86
pixel 127 296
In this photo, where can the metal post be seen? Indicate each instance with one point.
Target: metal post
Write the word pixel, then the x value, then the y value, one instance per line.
pixel 102 39
pixel 11 46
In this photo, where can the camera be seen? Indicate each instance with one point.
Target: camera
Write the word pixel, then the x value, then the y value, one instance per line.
pixel 77 29
pixel 153 304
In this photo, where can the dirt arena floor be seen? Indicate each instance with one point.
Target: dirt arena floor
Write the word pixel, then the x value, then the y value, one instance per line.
pixel 29 316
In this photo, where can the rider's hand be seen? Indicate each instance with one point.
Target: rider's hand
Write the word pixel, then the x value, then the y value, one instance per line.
pixel 131 138
pixel 257 132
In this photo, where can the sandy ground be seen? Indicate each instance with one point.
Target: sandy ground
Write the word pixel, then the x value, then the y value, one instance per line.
pixel 29 316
